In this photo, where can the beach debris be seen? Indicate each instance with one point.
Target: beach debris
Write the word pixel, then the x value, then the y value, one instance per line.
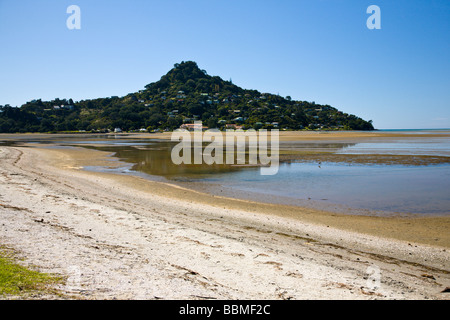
pixel 6 206
pixel 294 274
pixel 446 290
pixel 283 294
pixel 369 292
pixel 428 276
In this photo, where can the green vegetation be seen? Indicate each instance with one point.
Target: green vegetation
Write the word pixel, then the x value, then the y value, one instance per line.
pixel 185 94
pixel 18 280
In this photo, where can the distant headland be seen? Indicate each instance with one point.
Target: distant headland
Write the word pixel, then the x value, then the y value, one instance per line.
pixel 183 95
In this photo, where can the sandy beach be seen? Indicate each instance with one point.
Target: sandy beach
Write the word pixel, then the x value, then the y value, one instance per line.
pixel 284 135
pixel 228 156
pixel 124 237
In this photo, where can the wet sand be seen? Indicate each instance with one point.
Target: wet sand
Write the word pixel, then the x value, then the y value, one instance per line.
pixel 295 136
pixel 288 136
pixel 385 159
pixel 132 238
pixel 426 230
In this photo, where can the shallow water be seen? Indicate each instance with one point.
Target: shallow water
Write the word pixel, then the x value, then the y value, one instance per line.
pixel 345 187
pixel 431 147
pixel 341 187
pixel 350 188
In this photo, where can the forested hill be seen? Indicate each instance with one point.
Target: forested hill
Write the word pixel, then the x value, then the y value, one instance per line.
pixel 185 94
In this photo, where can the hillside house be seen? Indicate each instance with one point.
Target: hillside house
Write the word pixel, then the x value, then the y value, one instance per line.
pixel 193 126
pixel 233 126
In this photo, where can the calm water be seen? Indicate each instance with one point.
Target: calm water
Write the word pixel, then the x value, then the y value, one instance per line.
pixel 350 188
pixel 431 146
pixel 346 188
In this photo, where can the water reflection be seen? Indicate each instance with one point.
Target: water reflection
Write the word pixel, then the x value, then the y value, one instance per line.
pixel 328 185
pixel 155 159
pixel 338 187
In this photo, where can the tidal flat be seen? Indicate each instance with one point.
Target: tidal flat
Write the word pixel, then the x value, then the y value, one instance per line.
pixel 132 236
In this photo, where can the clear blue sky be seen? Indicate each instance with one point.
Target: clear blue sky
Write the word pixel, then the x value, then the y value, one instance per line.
pixel 313 50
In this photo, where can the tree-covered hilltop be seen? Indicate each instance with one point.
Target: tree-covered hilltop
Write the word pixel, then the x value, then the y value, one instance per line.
pixel 185 94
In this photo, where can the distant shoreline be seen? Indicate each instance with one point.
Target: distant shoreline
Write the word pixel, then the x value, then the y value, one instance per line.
pixel 284 135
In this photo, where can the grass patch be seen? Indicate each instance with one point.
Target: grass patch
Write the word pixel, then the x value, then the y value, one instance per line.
pixel 16 280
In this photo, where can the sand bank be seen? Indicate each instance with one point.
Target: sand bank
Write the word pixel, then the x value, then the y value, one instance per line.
pixel 130 238
pixel 287 136
pixel 293 136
